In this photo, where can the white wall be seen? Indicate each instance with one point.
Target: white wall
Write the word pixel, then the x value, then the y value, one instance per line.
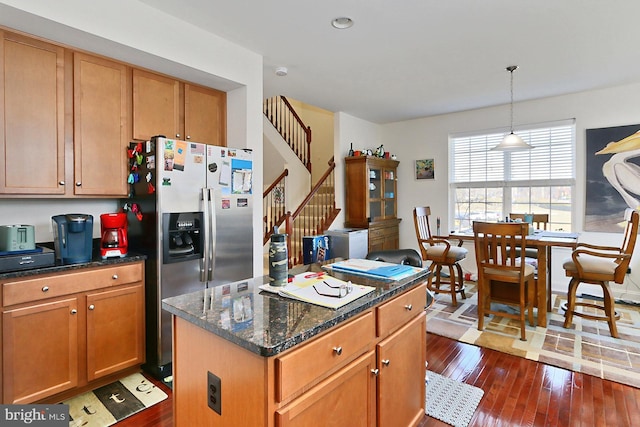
pixel 135 33
pixel 428 138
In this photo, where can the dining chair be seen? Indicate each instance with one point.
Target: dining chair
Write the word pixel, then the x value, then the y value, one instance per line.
pixel 441 253
pixel 540 222
pixel 599 265
pixel 502 276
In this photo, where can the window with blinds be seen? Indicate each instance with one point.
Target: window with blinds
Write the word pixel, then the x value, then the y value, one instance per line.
pixel 488 185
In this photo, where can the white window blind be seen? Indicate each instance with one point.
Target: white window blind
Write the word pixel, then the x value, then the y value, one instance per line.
pixel 488 185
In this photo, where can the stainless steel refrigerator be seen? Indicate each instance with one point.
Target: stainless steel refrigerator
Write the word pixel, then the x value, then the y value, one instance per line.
pixel 190 211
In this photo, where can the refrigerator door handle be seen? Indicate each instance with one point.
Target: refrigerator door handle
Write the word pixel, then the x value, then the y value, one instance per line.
pixel 212 235
pixel 204 264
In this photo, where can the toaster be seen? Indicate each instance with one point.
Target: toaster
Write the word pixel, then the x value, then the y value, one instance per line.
pixel 15 238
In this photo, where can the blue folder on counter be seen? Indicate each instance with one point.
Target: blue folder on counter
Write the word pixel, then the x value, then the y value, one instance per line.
pixel 391 270
pixel 372 268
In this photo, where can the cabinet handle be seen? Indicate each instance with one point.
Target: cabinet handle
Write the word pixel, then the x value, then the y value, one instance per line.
pixel 337 350
pixel 114 277
pixel 408 307
pixel 74 311
pixel 386 362
pixel 61 183
pixel 45 289
pixel 78 184
pixel 375 372
pixel 177 135
pixel 91 307
pixel 188 137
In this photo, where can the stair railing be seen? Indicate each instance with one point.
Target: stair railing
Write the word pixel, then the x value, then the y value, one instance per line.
pixel 274 205
pixel 314 215
pixel 290 126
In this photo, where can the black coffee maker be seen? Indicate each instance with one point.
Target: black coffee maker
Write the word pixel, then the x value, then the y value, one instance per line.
pixel 73 238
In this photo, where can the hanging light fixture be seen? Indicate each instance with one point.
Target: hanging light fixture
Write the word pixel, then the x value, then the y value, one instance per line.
pixel 512 142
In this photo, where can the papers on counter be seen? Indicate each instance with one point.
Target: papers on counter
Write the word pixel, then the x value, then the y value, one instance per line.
pixel 320 289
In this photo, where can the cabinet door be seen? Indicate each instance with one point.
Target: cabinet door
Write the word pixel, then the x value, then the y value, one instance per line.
pixel 115 330
pixel 347 398
pixel 156 106
pixel 31 116
pixel 389 205
pixel 401 387
pixel 40 351
pixel 205 115
pixel 376 191
pixel 101 93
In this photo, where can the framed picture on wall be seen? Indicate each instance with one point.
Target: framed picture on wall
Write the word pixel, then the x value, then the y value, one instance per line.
pixel 613 179
pixel 424 169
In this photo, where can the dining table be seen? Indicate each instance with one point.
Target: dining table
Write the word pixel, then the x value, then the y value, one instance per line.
pixel 543 241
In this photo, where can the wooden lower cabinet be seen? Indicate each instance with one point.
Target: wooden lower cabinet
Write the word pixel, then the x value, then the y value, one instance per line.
pixel 348 396
pixel 367 371
pixel 40 356
pixel 66 331
pixel 401 397
pixel 115 330
pixel 384 235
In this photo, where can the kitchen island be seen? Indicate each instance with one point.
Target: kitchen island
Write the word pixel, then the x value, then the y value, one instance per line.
pixel 246 357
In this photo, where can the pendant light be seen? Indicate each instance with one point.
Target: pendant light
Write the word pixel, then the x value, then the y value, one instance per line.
pixel 512 142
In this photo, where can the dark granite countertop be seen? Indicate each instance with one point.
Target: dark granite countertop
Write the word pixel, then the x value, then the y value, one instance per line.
pixel 63 268
pixel 268 324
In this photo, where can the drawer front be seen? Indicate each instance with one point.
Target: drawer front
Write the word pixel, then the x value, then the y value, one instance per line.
pixel 395 313
pixel 375 232
pixel 17 292
pixel 323 355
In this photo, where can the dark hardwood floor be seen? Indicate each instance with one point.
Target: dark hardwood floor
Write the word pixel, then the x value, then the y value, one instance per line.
pixel 517 392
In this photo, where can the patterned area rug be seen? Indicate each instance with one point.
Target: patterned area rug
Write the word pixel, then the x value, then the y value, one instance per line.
pixel 113 402
pixel 587 347
pixel 451 401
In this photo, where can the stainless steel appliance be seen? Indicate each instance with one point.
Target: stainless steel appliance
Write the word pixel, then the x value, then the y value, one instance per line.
pixel 193 219
pixel 73 237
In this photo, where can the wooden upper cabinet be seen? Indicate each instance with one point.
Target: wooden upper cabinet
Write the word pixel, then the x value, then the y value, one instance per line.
pixel 101 94
pixel 32 116
pixel 156 106
pixel 205 115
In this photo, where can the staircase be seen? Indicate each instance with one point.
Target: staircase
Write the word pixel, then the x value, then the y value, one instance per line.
pixel 318 209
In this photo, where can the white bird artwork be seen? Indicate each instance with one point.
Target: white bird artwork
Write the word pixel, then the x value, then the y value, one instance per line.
pixel 622 174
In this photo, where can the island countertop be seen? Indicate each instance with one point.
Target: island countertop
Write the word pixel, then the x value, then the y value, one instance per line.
pixel 268 324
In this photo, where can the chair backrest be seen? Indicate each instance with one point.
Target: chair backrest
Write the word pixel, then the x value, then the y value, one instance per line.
pixel 493 244
pixel 423 229
pixel 540 221
pixel 628 244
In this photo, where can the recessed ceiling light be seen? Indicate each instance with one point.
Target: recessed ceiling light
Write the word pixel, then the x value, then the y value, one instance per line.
pixel 342 23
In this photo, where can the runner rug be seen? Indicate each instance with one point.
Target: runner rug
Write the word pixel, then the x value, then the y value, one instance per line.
pixel 451 401
pixel 587 347
pixel 113 402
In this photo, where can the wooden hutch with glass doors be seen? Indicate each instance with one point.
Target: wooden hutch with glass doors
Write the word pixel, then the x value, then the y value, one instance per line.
pixel 371 199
